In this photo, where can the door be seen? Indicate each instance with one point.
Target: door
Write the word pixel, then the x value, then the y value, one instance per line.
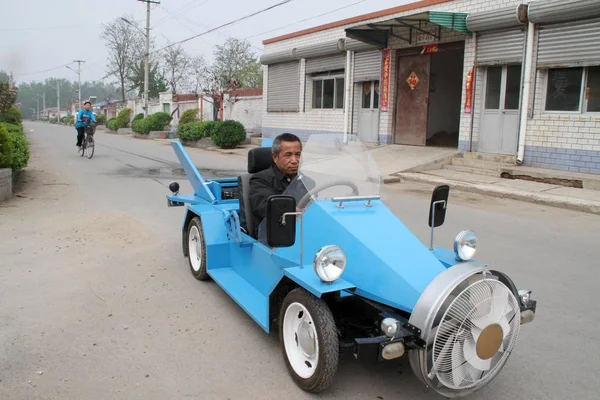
pixel 412 98
pixel 500 120
pixel 368 118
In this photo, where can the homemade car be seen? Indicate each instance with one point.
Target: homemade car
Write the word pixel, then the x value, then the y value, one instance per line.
pixel 338 271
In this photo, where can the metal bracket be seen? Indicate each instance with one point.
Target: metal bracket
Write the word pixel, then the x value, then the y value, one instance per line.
pixel 433 219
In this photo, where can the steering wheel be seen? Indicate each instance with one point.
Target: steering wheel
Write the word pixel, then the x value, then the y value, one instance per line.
pixel 307 197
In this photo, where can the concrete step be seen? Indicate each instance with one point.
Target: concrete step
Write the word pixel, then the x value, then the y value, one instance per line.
pixel 498 158
pixel 477 164
pixel 463 176
pixel 471 170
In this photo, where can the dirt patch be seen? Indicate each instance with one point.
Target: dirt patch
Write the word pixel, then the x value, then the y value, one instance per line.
pixel 574 183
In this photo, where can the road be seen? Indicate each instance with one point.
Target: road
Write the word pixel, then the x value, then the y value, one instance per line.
pixel 97 301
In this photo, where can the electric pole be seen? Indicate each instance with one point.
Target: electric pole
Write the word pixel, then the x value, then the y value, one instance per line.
pixel 44 103
pixel 79 78
pixel 58 101
pixel 147 56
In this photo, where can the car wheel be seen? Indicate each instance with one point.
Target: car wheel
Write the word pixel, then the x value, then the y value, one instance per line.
pixel 309 340
pixel 196 249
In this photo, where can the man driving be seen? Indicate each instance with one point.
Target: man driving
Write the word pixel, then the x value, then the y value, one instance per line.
pixel 286 151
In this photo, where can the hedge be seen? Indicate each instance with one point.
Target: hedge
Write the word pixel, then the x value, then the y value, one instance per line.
pixel 112 124
pixel 12 116
pixel 101 119
pixel 14 147
pixel 189 116
pixel 123 118
pixel 155 122
pixel 229 134
pixel 6 148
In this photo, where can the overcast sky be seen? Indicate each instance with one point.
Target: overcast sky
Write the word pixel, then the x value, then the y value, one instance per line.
pixel 39 35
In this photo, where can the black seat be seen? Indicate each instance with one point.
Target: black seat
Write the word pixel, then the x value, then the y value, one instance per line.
pixel 259 159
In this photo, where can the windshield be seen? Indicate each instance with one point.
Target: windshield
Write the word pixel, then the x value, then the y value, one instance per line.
pixel 331 168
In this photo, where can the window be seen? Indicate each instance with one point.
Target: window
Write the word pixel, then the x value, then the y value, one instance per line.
pixel 328 92
pixel 573 89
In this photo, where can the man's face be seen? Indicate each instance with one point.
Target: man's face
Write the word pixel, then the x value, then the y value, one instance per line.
pixel 87 107
pixel 288 159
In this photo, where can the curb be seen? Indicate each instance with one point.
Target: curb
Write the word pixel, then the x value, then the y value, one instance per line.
pixel 568 203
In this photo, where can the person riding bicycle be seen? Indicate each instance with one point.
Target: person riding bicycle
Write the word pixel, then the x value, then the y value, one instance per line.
pixel 84 116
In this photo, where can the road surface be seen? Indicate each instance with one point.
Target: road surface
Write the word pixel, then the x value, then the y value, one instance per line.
pixel 97 301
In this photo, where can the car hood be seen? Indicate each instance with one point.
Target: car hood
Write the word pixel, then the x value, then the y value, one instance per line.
pixel 385 260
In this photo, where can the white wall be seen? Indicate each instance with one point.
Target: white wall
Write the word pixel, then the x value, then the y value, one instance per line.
pixel 247 110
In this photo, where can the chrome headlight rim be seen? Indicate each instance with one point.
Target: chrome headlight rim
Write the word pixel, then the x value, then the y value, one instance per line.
pixel 466 240
pixel 335 270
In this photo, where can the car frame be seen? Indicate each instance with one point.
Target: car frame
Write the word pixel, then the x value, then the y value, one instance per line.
pixel 324 303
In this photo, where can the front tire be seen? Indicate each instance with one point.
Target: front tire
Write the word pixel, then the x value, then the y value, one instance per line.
pixel 309 340
pixel 196 249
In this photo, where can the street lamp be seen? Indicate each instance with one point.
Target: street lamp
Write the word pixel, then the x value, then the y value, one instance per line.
pixel 146 58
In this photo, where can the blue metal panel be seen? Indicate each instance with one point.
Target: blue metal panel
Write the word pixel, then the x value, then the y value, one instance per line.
pixel 256 265
pixel 448 258
pixel 384 258
pixel 308 279
pixel 193 175
pixel 266 142
pixel 186 198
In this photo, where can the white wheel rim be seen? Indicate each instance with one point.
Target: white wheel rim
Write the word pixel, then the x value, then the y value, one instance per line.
pixel 194 248
pixel 300 340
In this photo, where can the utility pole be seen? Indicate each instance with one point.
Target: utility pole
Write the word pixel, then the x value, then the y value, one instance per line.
pixel 147 56
pixel 44 103
pixel 58 102
pixel 79 78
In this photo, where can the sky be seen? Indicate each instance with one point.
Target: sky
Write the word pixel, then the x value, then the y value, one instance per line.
pixel 39 37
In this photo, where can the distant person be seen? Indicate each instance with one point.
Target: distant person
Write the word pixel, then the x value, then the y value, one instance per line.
pixel 84 116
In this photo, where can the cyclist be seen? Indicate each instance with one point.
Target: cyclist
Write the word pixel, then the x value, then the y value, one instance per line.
pixel 84 116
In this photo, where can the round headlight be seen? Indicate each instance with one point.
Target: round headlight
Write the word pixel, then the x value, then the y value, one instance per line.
pixel 465 245
pixel 329 263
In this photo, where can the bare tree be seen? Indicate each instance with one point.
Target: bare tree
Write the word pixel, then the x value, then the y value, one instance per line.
pixel 126 46
pixel 177 64
pixel 199 74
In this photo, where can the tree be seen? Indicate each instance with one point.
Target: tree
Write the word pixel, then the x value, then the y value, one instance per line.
pixel 156 80
pixel 177 66
pixel 8 96
pixel 199 74
pixel 126 46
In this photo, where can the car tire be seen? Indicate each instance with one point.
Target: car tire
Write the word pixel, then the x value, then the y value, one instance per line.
pixel 196 249
pixel 309 340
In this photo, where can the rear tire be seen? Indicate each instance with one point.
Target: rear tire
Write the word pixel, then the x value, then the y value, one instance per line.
pixel 309 340
pixel 196 249
pixel 90 148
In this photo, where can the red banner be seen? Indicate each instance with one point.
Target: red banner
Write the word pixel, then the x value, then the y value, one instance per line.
pixel 385 79
pixel 469 90
pixel 430 49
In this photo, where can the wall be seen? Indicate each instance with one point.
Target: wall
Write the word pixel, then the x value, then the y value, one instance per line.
pixel 444 101
pixel 5 183
pixel 245 108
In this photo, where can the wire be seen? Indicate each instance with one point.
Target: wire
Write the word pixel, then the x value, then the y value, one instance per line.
pixel 306 19
pixel 178 10
pixel 47 70
pixel 226 24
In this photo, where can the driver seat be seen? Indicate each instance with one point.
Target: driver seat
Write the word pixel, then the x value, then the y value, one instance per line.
pixel 259 159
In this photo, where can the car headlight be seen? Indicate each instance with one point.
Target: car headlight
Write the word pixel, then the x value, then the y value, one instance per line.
pixel 329 263
pixel 465 245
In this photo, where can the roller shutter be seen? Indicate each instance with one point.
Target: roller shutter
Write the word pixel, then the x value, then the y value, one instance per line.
pixel 571 44
pixel 283 87
pixel 500 47
pixel 553 11
pixel 323 64
pixel 367 66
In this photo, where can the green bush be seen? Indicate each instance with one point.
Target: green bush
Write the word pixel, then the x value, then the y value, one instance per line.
pixel 154 122
pixel 71 120
pixel 140 126
pixel 12 116
pixel 53 120
pixel 112 124
pixel 100 119
pixel 64 120
pixel 6 148
pixel 229 134
pixel 189 116
pixel 192 131
pixel 12 128
pixel 137 117
pixel 211 126
pixel 20 156
pixel 124 117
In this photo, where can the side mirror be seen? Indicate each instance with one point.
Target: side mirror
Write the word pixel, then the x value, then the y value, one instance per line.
pixel 281 221
pixel 437 208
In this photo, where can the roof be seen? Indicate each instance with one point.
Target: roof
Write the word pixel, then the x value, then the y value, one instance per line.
pixel 360 18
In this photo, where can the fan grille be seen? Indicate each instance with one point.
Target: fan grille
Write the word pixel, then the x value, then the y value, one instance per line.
pixel 476 335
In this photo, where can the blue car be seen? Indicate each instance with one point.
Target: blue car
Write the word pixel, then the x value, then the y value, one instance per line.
pixel 337 271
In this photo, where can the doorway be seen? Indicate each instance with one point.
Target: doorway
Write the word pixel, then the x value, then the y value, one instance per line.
pixel 500 120
pixel 368 117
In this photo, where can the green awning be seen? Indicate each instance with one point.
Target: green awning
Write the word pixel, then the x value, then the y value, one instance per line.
pixel 454 21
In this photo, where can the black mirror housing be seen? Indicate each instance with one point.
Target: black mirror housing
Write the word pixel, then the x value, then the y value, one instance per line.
pixel 174 187
pixel 439 202
pixel 281 221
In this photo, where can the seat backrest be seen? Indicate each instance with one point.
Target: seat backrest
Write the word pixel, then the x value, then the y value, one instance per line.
pixel 259 159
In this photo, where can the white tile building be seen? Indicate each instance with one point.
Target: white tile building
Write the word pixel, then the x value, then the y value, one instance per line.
pixel 328 79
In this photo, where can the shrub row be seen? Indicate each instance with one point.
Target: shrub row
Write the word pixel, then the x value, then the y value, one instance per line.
pixel 155 122
pixel 14 147
pixel 226 135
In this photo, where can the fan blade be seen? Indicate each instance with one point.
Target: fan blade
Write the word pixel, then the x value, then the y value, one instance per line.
pixel 472 357
pixel 499 303
pixel 442 361
pixel 458 364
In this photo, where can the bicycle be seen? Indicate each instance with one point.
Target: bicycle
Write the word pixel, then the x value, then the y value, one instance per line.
pixel 87 145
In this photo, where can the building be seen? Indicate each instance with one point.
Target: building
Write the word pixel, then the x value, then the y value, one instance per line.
pixel 514 78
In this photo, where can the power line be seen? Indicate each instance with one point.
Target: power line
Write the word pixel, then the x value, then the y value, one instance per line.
pixel 226 24
pixel 41 72
pixel 179 9
pixel 306 19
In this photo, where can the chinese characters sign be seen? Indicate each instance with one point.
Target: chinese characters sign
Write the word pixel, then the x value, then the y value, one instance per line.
pixel 430 49
pixel 385 79
pixel 469 92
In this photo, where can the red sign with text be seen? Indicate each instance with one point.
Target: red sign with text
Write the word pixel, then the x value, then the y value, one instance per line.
pixel 386 62
pixel 469 92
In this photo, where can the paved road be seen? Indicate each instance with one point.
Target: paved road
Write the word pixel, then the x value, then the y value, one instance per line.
pixel 97 302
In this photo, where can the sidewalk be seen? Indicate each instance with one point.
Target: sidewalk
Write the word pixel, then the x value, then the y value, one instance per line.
pixel 571 198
